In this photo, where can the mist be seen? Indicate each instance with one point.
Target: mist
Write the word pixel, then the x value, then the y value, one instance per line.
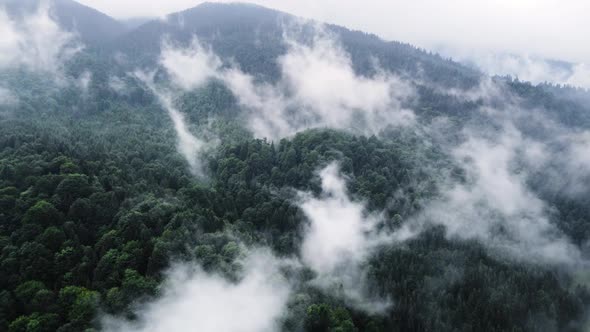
pixel 495 206
pixel 189 68
pixel 220 176
pixel 194 300
pixel 340 237
pixel 525 67
pixel 7 98
pixel 190 146
pixel 318 88
pixel 36 42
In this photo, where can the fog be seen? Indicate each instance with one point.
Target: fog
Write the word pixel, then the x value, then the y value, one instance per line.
pixel 189 68
pixel 525 67
pixel 194 300
pixel 35 42
pixel 501 37
pixel 318 88
pixel 7 98
pixel 521 27
pixel 493 204
pixel 339 238
pixel 190 146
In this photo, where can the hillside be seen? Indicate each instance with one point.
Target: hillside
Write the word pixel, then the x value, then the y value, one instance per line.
pixel 253 36
pixel 93 27
pixel 235 168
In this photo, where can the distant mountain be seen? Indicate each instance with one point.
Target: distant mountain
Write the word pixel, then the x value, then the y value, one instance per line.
pixel 93 27
pixel 135 22
pixel 253 36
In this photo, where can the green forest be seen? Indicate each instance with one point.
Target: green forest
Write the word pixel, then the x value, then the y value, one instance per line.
pixel 97 204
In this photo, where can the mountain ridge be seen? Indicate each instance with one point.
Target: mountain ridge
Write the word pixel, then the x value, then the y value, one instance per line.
pixel 92 26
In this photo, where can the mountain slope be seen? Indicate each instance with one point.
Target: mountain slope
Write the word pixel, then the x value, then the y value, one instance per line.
pixel 253 36
pixel 131 203
pixel 93 27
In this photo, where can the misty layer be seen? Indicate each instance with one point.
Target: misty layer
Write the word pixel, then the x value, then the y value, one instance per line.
pixel 337 241
pixel 193 300
pixel 495 206
pixel 35 42
pixel 318 88
pixel 189 145
pixel 527 67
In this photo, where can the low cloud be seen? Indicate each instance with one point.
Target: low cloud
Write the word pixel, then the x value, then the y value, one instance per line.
pixel 317 88
pixel 194 300
pixel 189 68
pixel 7 98
pixel 84 81
pixel 35 42
pixel 337 241
pixel 580 76
pixel 493 203
pixel 525 67
pixel 118 85
pixel 190 146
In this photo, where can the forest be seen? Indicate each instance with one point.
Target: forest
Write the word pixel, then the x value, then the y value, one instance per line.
pixel 455 200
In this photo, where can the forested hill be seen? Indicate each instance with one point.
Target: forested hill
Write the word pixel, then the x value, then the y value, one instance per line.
pixel 234 168
pixel 93 27
pixel 253 35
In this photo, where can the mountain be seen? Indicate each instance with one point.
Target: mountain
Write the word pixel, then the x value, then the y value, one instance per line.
pixel 253 36
pixel 357 185
pixel 135 22
pixel 93 27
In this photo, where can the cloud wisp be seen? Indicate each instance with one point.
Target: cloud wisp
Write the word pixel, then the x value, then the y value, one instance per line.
pixel 194 300
pixel 7 98
pixel 189 68
pixel 493 202
pixel 318 88
pixel 338 239
pixel 190 146
pixel 525 67
pixel 36 42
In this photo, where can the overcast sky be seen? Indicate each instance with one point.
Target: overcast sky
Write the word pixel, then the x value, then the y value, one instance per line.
pixel 550 28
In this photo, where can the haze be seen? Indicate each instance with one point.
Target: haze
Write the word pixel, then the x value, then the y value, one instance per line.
pixel 516 26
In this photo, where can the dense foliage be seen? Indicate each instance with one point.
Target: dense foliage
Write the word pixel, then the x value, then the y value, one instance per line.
pixel 96 202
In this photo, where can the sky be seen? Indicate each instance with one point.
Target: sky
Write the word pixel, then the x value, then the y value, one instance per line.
pixel 548 28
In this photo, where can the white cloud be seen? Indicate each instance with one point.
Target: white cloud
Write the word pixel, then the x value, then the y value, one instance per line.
pixel 549 28
pixel 191 67
pixel 7 98
pixel 84 81
pixel 190 146
pixel 524 66
pixel 318 88
pixel 580 76
pixel 321 77
pixel 339 238
pixel 494 205
pixel 336 233
pixel 194 300
pixel 118 85
pixel 35 42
